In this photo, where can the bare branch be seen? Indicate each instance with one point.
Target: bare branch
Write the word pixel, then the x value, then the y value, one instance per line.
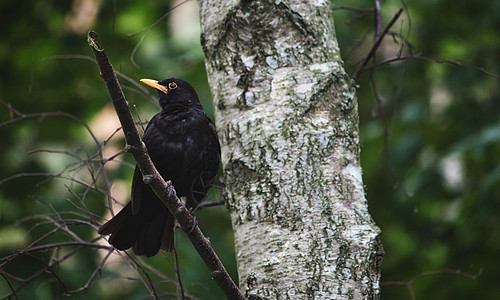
pixel 91 278
pixel 148 29
pixel 409 284
pixel 48 266
pixel 61 222
pixel 21 117
pixel 364 11
pixel 178 273
pixel 378 19
pixel 13 291
pixel 436 60
pixel 163 189
pixel 210 204
pixel 136 266
pixel 386 136
pixel 133 82
pixel 375 46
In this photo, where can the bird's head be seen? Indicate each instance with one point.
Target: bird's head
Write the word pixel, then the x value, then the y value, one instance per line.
pixel 174 91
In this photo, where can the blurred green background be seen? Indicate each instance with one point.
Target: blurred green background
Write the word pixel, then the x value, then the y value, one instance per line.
pixel 430 146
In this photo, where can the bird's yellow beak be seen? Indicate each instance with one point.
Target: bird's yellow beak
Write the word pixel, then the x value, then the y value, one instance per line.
pixel 154 84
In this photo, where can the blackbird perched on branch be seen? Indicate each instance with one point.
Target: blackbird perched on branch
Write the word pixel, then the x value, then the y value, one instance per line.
pixel 183 145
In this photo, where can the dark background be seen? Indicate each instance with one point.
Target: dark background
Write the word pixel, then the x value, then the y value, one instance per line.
pixel 430 144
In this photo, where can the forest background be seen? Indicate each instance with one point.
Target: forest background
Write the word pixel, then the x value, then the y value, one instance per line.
pixel 430 133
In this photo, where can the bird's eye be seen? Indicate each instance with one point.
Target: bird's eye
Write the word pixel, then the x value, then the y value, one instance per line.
pixel 172 85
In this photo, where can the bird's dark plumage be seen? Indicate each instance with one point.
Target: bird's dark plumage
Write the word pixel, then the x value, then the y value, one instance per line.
pixel 183 144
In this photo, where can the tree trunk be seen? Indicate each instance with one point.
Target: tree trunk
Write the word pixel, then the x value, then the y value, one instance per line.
pixel 287 117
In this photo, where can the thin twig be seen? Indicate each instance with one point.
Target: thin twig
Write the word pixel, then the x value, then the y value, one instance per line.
pixel 436 60
pixel 91 278
pixel 357 9
pixel 148 283
pixel 178 273
pixel 386 135
pixel 52 263
pixel 148 94
pixel 210 204
pixel 376 44
pixel 409 284
pixel 378 19
pixel 13 291
pixel 148 29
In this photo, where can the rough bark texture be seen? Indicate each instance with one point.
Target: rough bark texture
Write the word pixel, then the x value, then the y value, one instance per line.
pixel 287 117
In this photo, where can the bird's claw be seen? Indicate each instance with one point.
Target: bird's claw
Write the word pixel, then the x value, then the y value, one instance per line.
pixel 195 223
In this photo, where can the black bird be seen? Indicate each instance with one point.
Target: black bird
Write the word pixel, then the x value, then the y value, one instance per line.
pixel 183 145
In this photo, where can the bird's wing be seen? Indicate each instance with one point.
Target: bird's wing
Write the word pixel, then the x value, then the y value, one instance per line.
pixel 139 188
pixel 137 191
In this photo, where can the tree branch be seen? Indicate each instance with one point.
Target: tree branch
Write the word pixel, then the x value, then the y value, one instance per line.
pixel 409 284
pixel 375 46
pixel 164 190
pixel 436 60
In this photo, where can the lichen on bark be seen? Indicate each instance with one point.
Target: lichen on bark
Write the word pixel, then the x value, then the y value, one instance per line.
pixel 287 117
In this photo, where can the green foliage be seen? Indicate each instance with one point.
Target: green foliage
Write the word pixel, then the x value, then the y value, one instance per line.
pixel 432 185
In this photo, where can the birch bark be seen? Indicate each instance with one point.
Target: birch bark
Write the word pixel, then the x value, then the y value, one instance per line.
pixel 286 113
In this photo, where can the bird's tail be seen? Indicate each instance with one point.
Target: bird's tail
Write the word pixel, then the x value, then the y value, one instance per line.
pixel 145 234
